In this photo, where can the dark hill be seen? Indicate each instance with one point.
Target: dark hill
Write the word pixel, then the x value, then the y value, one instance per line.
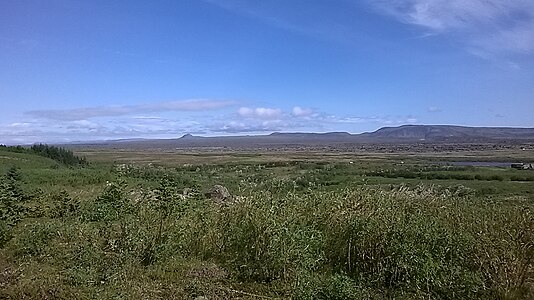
pixel 403 135
pixel 303 136
pixel 449 132
pixel 189 136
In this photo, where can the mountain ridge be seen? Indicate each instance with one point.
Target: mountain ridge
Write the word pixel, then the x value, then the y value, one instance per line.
pixel 439 132
pixel 389 135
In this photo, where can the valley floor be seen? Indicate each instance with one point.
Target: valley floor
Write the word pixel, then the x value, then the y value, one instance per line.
pixel 299 224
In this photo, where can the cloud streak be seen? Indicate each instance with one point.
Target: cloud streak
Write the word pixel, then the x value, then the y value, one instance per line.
pixel 301 112
pixel 434 109
pixel 488 27
pixel 299 17
pixel 266 120
pixel 101 124
pixel 85 113
pixel 101 129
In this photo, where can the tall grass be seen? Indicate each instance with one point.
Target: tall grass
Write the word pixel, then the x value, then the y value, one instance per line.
pixel 276 238
pixel 422 242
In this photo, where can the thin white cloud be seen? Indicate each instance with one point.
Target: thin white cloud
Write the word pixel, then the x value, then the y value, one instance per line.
pixel 302 18
pixel 53 131
pixel 488 27
pixel 301 112
pixel 265 120
pixel 236 127
pixel 260 112
pixel 260 120
pixel 380 120
pixel 434 109
pixel 122 110
pixel 519 39
pixel 443 15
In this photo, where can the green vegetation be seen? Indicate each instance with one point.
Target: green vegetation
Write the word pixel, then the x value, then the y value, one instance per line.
pixel 294 229
pixel 447 172
pixel 58 154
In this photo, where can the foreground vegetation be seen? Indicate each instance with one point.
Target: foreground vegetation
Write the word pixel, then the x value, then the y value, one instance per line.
pixel 293 229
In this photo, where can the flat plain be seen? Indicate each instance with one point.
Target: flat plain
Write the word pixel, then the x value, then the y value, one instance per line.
pixel 362 221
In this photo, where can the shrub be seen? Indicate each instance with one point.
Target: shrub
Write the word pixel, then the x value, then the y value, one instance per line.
pixel 463 176
pixel 480 177
pixel 11 198
pixel 110 205
pixel 496 177
pixel 63 206
pixel 340 287
pixel 166 203
pixel 5 234
pixel 521 178
pixel 32 239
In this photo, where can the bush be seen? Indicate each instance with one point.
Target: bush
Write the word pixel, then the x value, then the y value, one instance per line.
pixel 521 178
pixel 33 238
pixel 330 287
pixel 5 234
pixel 480 177
pixel 463 176
pixel 11 198
pixel 166 202
pixel 340 287
pixel 63 206
pixel 496 177
pixel 111 205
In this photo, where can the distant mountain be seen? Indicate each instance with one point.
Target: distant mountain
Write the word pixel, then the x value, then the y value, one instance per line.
pixel 403 135
pixel 450 132
pixel 328 135
pixel 189 136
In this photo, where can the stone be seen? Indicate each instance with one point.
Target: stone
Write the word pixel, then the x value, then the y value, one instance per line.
pixel 218 193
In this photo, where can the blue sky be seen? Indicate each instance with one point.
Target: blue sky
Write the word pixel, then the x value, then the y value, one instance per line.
pixel 90 70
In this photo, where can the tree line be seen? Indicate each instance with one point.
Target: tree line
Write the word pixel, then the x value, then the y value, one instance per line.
pixel 58 154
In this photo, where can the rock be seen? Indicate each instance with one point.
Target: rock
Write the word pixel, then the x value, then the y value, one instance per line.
pixel 187 191
pixel 218 193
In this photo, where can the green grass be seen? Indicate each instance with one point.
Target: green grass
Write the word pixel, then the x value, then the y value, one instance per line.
pixel 294 229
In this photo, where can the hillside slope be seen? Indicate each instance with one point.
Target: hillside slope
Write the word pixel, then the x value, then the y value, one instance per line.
pixel 390 135
pixel 444 132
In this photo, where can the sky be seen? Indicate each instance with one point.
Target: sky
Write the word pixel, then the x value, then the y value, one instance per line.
pixel 74 70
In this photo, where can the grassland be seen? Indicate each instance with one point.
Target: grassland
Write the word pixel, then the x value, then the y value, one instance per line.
pixel 300 225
